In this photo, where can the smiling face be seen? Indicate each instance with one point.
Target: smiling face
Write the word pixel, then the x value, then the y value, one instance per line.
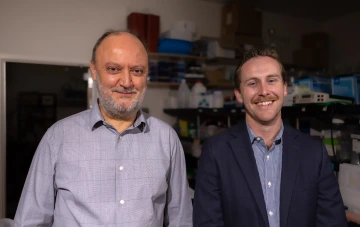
pixel 262 90
pixel 120 70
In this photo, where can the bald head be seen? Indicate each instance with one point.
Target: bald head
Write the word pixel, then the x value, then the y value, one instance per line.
pixel 114 33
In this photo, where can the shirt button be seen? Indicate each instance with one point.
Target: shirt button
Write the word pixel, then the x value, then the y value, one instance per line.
pixel 121 168
pixel 258 139
pixel 267 157
pixel 120 137
pixel 122 202
pixel 269 184
pixel 271 213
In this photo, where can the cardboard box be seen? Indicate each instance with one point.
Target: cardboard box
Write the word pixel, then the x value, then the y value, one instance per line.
pixel 217 77
pixel 241 18
pixel 315 83
pixel 215 50
pixel 347 86
pixel 315 40
pixel 237 42
pixel 303 57
pixel 310 58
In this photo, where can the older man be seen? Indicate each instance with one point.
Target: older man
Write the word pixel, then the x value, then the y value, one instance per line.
pixel 112 165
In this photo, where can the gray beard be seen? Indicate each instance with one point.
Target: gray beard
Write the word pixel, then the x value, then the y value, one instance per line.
pixel 115 110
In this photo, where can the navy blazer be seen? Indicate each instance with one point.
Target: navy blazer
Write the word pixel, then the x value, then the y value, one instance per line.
pixel 228 190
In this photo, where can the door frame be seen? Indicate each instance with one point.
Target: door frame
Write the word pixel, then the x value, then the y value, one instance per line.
pixel 6 58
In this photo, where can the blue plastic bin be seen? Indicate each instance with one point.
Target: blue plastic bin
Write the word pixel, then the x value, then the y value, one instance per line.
pixel 174 46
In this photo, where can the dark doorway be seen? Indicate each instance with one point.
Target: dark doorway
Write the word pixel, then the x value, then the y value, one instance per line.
pixel 36 97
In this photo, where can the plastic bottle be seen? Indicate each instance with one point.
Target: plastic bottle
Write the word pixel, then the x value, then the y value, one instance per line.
pixel 192 130
pixel 337 140
pixel 181 68
pixel 344 149
pixel 196 91
pixel 218 99
pixel 183 95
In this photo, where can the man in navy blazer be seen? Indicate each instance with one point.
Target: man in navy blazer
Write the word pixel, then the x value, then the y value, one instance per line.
pixel 261 172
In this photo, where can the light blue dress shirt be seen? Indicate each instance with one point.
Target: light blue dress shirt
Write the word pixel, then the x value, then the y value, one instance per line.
pixel 84 173
pixel 269 163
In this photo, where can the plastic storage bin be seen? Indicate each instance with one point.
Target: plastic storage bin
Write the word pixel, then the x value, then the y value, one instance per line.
pixel 174 46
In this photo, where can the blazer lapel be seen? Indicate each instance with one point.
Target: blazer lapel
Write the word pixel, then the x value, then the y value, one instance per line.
pixel 290 163
pixel 242 149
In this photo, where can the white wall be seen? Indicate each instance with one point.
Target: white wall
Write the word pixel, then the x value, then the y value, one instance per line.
pixel 68 29
pixel 344 35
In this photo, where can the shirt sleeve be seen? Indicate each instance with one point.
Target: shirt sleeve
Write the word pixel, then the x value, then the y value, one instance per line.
pixel 36 206
pixel 179 206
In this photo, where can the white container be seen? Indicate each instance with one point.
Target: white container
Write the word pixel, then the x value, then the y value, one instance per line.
pixel 174 33
pixel 341 141
pixel 215 50
pixel 183 30
pixel 206 100
pixel 196 91
pixel 186 25
pixel 183 95
pixel 218 99
pixel 349 181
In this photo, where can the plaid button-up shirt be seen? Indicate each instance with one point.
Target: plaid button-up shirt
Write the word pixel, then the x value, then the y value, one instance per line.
pixel 84 173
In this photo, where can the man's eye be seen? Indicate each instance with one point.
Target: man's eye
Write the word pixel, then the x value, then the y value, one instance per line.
pixel 112 69
pixel 272 80
pixel 138 71
pixel 252 84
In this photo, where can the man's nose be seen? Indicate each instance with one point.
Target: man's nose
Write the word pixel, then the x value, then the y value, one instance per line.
pixel 125 79
pixel 263 89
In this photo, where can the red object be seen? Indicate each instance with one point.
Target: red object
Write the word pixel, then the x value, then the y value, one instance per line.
pixel 147 26
pixel 136 22
pixel 152 32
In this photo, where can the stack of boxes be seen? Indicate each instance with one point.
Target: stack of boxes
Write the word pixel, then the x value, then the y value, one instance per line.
pixel 241 24
pixel 347 86
pixel 318 84
pixel 314 54
pixel 314 51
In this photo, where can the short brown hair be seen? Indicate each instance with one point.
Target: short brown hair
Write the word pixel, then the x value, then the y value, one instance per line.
pixel 253 53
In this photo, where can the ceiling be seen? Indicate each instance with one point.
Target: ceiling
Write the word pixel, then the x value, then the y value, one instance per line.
pixel 319 10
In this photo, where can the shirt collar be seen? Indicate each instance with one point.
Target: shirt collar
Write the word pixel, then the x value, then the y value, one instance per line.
pixel 253 136
pixel 96 119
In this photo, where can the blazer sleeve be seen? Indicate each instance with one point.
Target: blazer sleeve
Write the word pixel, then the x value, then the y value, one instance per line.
pixel 330 207
pixel 207 201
